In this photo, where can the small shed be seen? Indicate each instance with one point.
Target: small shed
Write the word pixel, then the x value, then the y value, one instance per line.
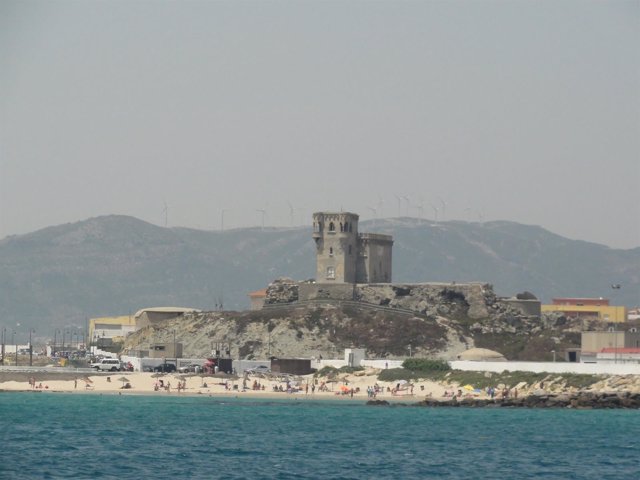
pixel 294 366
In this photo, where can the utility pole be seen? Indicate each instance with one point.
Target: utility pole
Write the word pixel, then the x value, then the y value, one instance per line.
pixel 31 330
pixel 4 339
pixel 15 343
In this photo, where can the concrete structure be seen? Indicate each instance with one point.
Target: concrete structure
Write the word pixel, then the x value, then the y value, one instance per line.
pixel 103 330
pixel 618 355
pixel 345 256
pixel 594 342
pixel 587 308
pixel 548 367
pixel 499 367
pixel 165 350
pixel 633 314
pixel 354 356
pixel 149 316
pixel 257 299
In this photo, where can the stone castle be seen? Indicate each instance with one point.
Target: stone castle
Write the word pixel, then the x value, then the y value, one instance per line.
pixel 345 256
pixel 356 267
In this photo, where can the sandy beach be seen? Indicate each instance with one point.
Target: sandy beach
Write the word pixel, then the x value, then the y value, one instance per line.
pixel 167 384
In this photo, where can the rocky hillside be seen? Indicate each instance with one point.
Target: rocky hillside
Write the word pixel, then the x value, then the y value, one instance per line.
pixel 116 265
pixel 325 329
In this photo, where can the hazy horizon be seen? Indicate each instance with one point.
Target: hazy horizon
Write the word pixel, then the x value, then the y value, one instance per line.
pixel 224 114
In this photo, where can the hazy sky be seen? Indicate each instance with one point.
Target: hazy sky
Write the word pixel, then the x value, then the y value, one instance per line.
pixel 521 110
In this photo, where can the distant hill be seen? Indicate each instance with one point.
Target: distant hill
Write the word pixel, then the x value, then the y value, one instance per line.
pixel 115 265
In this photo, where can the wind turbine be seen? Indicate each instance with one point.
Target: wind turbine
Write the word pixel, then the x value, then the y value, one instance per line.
pixel 444 206
pixel 399 204
pixel 222 212
pixel 374 211
pixel 291 212
pixel 406 200
pixel 263 212
pixel 380 205
pixel 165 213
pixel 435 212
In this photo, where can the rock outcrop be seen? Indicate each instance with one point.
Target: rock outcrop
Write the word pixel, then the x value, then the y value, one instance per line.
pixel 281 291
pixel 580 400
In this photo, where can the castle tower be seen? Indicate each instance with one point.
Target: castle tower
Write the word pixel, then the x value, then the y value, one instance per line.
pixel 336 237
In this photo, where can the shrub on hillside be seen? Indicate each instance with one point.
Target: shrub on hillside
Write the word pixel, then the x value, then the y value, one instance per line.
pixel 395 374
pixel 426 365
pixel 326 371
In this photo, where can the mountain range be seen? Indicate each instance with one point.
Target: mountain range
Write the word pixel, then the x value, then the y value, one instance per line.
pixel 115 265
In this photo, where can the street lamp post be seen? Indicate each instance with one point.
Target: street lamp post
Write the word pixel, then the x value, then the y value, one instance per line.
pixel 15 343
pixel 31 330
pixel 55 341
pixel 4 339
pixel 175 353
pixel 63 334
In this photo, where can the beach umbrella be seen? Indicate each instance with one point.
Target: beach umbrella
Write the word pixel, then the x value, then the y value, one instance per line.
pixel 468 387
pixel 123 379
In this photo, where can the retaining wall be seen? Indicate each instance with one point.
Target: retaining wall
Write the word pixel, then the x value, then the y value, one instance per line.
pixel 549 367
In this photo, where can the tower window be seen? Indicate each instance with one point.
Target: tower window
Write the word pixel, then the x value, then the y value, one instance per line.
pixel 349 228
pixel 346 226
pixel 331 251
pixel 332 227
pixel 331 272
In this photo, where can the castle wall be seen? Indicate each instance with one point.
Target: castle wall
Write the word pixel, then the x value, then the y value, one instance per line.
pixel 422 298
pixel 374 255
pixel 324 291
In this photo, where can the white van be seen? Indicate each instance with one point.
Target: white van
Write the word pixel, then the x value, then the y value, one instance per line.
pixel 108 364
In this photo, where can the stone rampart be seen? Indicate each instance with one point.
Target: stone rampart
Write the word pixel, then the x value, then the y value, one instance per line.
pixel 326 291
pixel 476 301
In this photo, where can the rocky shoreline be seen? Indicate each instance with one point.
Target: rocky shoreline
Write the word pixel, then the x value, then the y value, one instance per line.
pixel 580 400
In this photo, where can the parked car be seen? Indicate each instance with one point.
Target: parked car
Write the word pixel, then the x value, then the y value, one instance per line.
pixel 108 364
pixel 193 367
pixel 258 369
pixel 165 368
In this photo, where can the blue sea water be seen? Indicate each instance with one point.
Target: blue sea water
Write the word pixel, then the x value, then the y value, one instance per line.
pixel 134 436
